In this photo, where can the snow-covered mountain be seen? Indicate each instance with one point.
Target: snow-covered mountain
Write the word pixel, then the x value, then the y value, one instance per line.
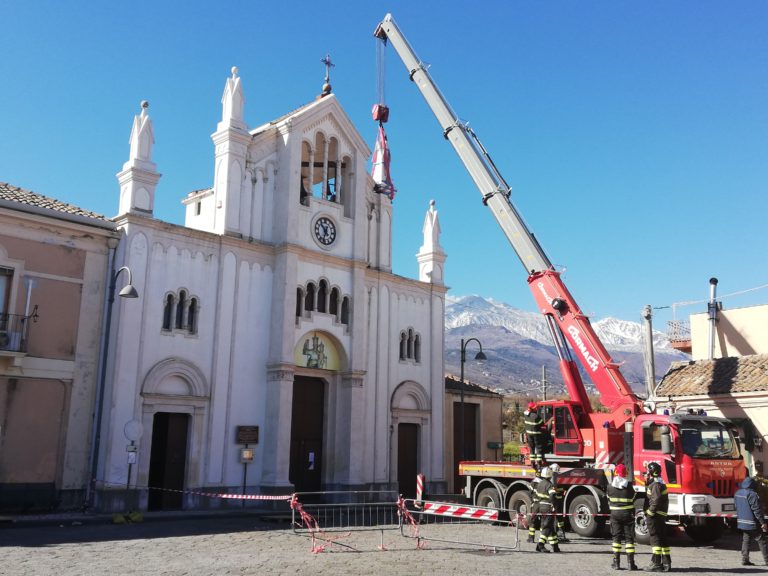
pixel 521 343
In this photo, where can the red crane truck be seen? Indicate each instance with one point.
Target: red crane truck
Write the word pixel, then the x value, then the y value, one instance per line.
pixel 699 455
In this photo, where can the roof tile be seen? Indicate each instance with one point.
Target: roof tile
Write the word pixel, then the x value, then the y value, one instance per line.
pixel 15 194
pixel 718 376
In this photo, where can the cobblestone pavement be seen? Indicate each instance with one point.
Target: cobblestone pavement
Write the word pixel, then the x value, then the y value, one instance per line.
pixel 247 545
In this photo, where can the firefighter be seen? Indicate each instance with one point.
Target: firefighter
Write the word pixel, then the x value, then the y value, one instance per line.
pixel 534 520
pixel 545 490
pixel 534 429
pixel 657 505
pixel 559 503
pixel 621 501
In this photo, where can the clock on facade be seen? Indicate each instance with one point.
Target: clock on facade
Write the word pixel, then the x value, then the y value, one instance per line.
pixel 325 231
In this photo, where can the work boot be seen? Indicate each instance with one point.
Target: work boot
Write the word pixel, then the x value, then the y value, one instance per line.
pixel 561 536
pixel 666 563
pixel 555 548
pixel 655 565
pixel 747 563
pixel 541 548
pixel 631 559
pixel 530 539
pixel 616 564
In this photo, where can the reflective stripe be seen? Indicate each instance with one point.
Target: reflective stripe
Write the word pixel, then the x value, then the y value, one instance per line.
pixel 629 507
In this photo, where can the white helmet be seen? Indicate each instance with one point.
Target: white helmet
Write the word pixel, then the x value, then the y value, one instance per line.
pixel 546 472
pixel 555 468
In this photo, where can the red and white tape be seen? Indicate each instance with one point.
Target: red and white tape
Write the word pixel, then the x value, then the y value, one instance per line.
pixel 454 511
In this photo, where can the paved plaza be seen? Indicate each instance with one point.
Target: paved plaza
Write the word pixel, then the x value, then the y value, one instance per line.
pixel 246 544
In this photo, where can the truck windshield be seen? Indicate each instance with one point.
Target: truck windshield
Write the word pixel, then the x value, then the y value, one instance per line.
pixel 708 440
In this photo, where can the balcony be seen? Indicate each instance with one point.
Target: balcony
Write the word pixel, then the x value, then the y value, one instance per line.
pixel 679 335
pixel 14 330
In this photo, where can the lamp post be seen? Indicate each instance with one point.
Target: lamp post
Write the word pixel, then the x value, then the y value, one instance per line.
pixel 128 291
pixel 480 357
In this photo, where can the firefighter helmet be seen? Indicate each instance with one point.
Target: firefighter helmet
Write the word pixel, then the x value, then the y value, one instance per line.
pixel 546 472
pixel 653 469
pixel 555 468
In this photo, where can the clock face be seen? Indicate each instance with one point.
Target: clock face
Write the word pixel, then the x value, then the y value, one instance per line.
pixel 325 231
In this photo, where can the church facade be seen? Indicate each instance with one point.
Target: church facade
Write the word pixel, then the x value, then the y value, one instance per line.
pixel 271 348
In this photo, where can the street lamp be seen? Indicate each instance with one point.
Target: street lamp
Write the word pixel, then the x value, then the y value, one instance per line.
pixel 128 291
pixel 479 357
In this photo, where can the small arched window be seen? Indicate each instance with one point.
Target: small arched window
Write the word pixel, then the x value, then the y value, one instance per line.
pixel 168 312
pixel 403 340
pixel 322 294
pixel 410 343
pixel 309 299
pixel 345 311
pixel 333 305
pixel 417 348
pixel 299 302
pixel 192 316
pixel 180 310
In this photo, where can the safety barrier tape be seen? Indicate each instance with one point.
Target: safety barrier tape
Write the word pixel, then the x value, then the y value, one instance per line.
pixel 224 495
pixel 454 511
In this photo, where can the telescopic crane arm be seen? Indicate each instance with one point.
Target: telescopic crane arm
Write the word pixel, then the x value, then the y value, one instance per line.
pixel 564 318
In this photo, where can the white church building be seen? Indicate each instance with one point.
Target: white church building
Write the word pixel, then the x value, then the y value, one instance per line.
pixel 271 348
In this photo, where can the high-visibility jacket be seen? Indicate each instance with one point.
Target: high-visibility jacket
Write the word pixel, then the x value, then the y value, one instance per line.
pixel 658 498
pixel 534 424
pixel 544 493
pixel 621 497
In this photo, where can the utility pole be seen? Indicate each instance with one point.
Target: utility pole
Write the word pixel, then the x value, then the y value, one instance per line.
pixel 650 367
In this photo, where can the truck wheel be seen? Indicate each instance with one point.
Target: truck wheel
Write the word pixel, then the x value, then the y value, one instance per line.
pixel 489 498
pixel 641 527
pixel 519 503
pixel 705 532
pixel 582 516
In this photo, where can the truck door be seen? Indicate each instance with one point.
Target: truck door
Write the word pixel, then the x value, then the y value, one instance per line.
pixel 567 437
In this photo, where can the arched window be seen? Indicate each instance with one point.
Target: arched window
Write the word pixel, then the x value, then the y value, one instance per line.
pixel 168 312
pixel 305 174
pixel 417 348
pixel 180 310
pixel 309 299
pixel 332 171
pixel 192 316
pixel 333 305
pixel 345 311
pixel 403 340
pixel 322 294
pixel 299 301
pixel 410 343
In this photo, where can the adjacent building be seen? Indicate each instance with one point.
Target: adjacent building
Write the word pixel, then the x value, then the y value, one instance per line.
pixel 728 376
pixel 54 259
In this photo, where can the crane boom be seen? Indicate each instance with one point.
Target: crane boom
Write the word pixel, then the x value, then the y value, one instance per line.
pixel 565 319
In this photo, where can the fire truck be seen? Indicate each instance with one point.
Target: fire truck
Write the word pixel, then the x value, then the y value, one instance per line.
pixel 699 455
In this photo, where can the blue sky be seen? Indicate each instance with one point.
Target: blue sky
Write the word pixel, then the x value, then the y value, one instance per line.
pixel 634 134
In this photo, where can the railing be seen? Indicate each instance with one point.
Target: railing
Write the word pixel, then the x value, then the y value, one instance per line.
pixel 679 331
pixel 14 329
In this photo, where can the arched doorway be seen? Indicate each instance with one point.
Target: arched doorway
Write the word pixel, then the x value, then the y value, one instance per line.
pixel 410 418
pixel 307 415
pixel 168 460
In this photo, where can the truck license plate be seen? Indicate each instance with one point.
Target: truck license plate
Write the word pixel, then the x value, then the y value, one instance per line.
pixel 729 507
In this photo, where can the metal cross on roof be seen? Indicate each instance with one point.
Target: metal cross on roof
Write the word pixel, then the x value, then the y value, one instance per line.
pixel 328 64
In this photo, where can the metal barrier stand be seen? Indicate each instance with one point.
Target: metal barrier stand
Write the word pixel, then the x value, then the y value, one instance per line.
pixel 319 514
pixel 417 514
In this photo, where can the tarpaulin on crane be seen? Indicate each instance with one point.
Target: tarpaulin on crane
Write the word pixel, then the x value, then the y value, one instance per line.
pixel 380 168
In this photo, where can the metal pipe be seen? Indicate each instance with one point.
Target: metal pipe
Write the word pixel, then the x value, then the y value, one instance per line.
pixel 712 307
